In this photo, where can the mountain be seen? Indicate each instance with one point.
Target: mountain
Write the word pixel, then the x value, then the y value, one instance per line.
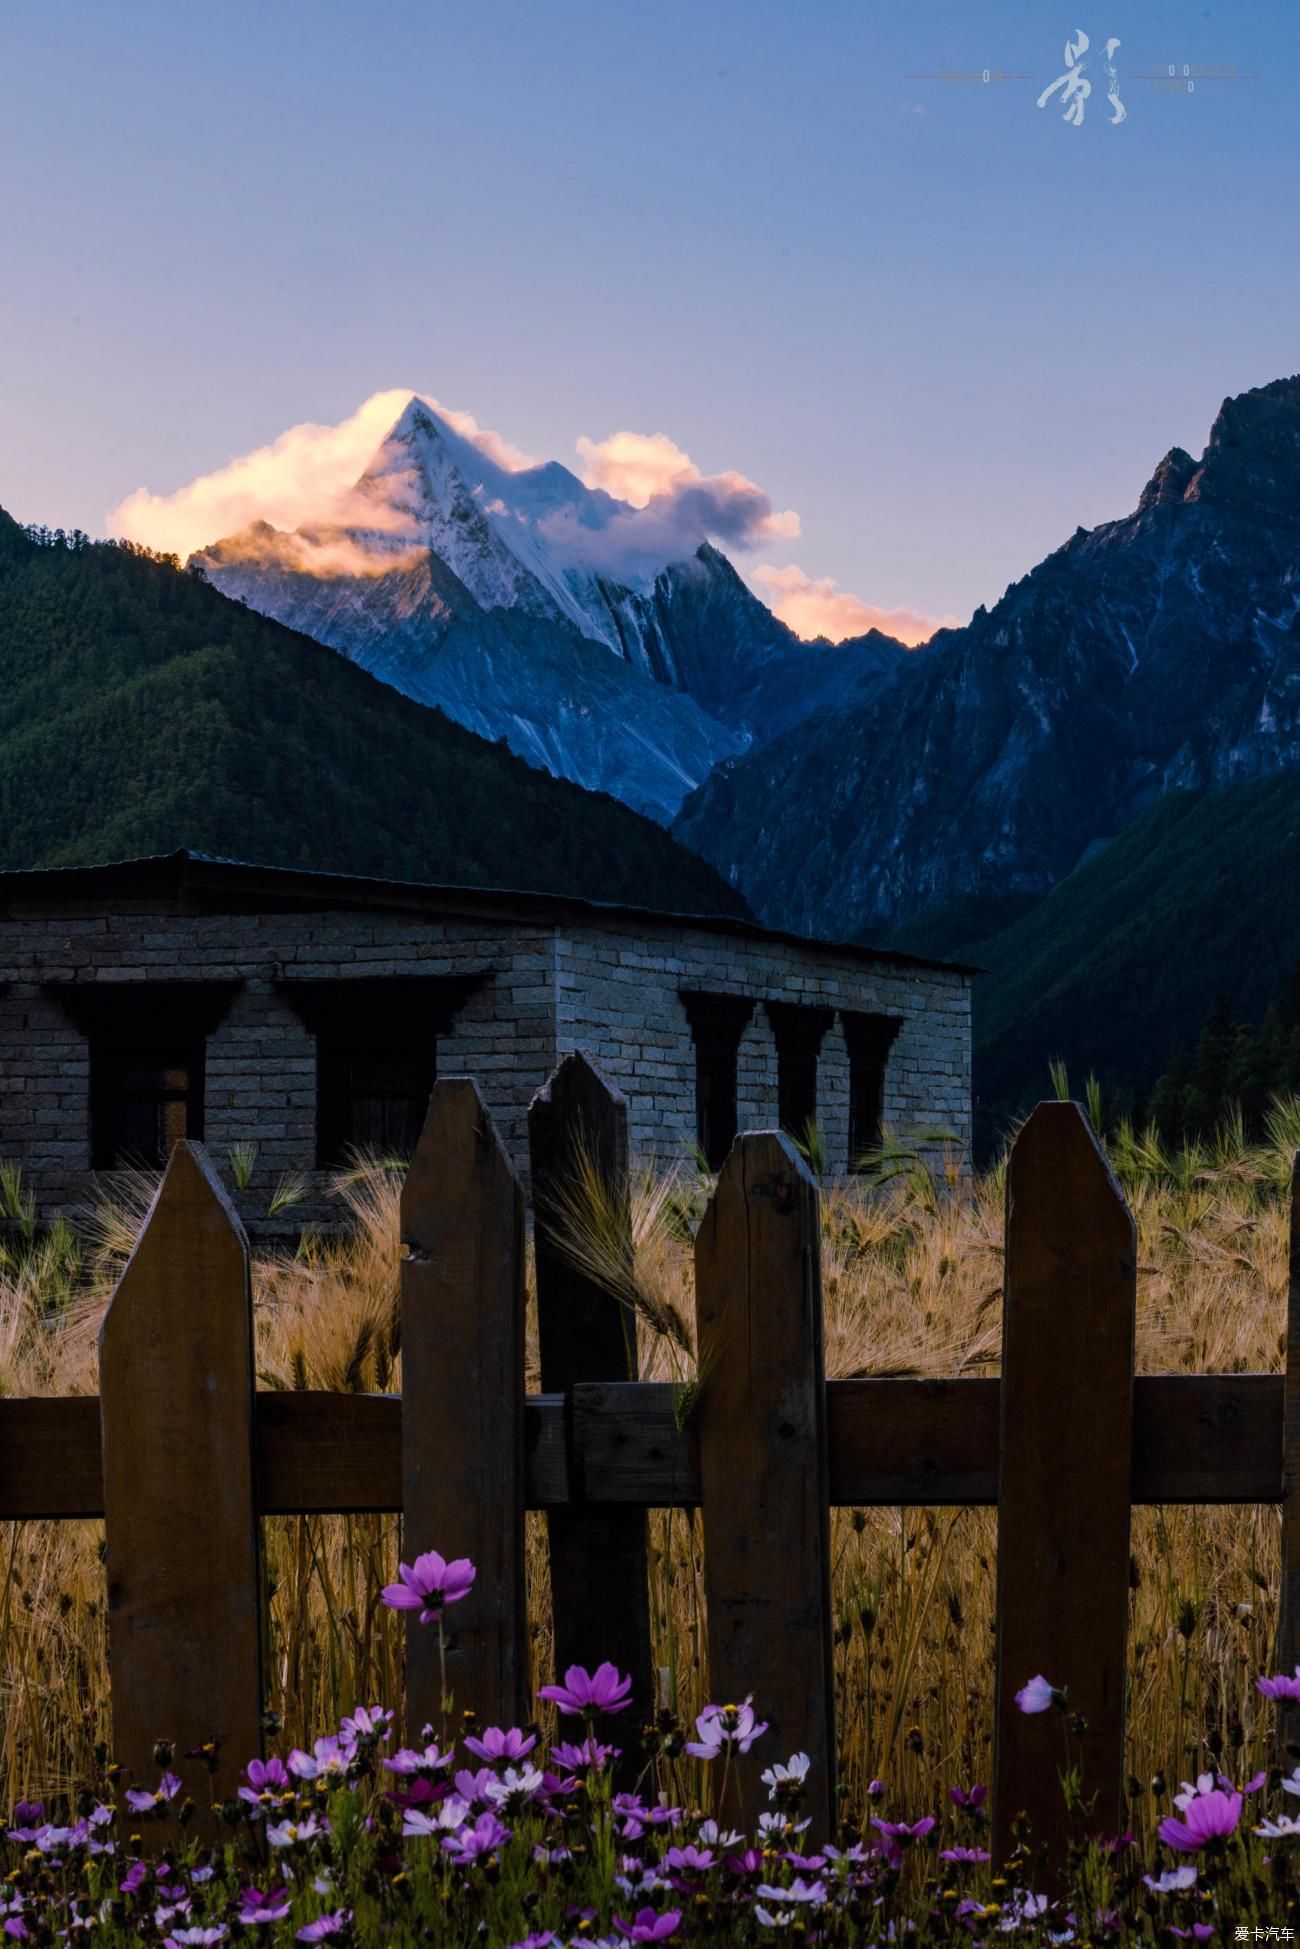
pixel 143 712
pixel 602 641
pixel 1123 961
pixel 1153 654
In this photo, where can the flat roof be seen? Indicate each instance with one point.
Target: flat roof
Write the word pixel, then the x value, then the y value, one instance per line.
pixel 205 883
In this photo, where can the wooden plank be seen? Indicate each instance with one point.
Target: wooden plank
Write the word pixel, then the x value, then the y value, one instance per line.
pixel 1066 1475
pixel 929 1442
pixel 463 1408
pixel 577 1138
pixel 764 1476
pixel 1207 1438
pixel 631 1447
pixel 1288 1629
pixel 1197 1438
pixel 176 1401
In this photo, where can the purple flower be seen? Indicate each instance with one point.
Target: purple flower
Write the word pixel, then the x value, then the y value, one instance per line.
pixel 429 1584
pixel 199 1937
pixel 141 1802
pixel 367 1725
pixel 720 1726
pixel 256 1907
pixel 964 1857
pixel 431 1760
pixel 543 1939
pixel 968 1796
pixel 1199 1932
pixel 1207 1816
pixel 325 1926
pixel 590 1753
pixel 895 1835
pixel 472 1843
pixel 1037 1695
pixel 496 1746
pixel 330 1758
pixel 646 1926
pixel 692 1860
pixel 584 1694
pixel 1281 1687
pixel 264 1780
pixel 812 1892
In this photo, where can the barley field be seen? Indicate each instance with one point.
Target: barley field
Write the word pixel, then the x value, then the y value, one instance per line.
pixel 912 1267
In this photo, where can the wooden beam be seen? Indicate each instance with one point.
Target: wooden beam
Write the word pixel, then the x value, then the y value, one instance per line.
pixel 1197 1439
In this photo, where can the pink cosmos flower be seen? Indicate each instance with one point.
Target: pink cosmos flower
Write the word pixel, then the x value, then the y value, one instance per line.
pixel 646 1926
pixel 1281 1687
pixel 496 1746
pixel 484 1837
pixel 256 1906
pixel 964 1857
pixel 325 1926
pixel 410 1763
pixel 1037 1695
pixel 1206 1817
pixel 585 1694
pixel 590 1753
pixel 968 1796
pixel 141 1802
pixel 264 1780
pixel 429 1584
pixel 895 1835
pixel 721 1726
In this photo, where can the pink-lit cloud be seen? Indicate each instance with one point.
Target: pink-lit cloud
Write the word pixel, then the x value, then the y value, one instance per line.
pixel 819 607
pixel 652 473
pixel 306 477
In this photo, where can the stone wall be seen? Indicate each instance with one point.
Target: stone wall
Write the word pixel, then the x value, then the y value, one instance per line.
pixel 619 1000
pixel 609 987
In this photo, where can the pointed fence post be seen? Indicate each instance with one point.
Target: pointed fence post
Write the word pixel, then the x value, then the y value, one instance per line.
pixel 180 1510
pixel 1065 1477
pixel 1288 1630
pixel 463 1406
pixel 764 1475
pixel 577 1137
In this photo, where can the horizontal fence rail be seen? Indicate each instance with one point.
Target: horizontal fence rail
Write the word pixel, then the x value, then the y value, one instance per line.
pixel 1197 1438
pixel 1063 1446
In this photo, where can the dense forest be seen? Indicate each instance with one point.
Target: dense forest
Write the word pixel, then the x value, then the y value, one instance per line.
pixel 142 712
pixel 1124 962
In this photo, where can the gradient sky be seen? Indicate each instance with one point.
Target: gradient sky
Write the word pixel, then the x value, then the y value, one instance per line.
pixel 942 325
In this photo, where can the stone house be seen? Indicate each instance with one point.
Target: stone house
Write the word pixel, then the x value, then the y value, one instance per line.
pixel 305 1014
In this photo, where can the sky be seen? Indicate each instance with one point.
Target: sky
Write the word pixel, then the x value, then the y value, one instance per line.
pixel 936 326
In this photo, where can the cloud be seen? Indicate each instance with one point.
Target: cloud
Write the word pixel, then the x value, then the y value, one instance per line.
pixel 326 556
pixel 306 477
pixel 670 505
pixel 821 608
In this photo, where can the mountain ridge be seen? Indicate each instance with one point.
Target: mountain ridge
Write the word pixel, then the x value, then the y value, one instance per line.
pixel 1155 652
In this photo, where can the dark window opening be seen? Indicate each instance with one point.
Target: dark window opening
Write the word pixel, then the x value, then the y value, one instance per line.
pixel 148 1054
pixel 799 1032
pixel 144 1102
pixel 869 1039
pixel 371 1096
pixel 717 1024
pixel 376 1057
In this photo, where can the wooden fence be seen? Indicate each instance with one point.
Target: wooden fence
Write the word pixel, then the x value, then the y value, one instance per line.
pixel 182 1456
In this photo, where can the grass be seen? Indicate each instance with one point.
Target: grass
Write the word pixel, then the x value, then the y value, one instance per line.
pixel 912 1272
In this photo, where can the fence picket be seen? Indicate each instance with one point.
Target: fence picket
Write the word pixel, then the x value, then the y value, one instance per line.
pixel 1288 1631
pixel 180 1505
pixel 577 1138
pixel 761 1422
pixel 462 1281
pixel 1065 1474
